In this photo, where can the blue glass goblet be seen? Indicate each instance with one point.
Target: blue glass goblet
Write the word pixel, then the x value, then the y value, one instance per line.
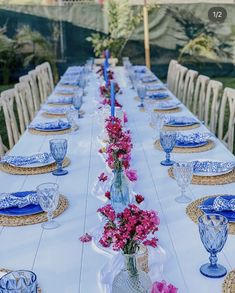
pixel 77 103
pixel 213 231
pixel 58 149
pixel 18 282
pixel 141 90
pixel 167 140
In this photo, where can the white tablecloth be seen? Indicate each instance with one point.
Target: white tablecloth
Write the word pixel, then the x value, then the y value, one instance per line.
pixel 65 265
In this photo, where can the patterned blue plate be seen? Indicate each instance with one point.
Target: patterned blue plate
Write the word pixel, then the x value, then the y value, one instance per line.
pixel 228 214
pixel 25 211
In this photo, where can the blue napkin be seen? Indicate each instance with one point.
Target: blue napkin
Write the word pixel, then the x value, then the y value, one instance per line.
pixel 27 160
pixel 18 199
pixel 53 125
pixel 158 95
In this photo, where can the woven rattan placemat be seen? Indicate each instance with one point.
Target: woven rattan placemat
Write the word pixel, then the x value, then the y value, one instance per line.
pixel 210 145
pixel 210 180
pixel 30 170
pixel 176 110
pixel 12 221
pixel 194 212
pixel 229 283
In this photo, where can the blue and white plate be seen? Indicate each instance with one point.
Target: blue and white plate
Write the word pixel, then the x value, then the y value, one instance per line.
pixel 51 126
pixel 147 79
pixel 212 168
pixel 140 69
pixel 181 121
pixel 25 211
pixel 230 215
pixel 167 105
pixel 192 140
pixel 190 144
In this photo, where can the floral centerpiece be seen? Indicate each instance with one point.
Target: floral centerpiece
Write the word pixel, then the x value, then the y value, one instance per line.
pixel 125 232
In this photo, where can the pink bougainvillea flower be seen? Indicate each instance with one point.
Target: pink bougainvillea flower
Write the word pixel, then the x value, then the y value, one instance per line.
pixel 108 195
pixel 85 238
pixel 139 198
pixel 131 175
pixel 103 177
pixel 163 287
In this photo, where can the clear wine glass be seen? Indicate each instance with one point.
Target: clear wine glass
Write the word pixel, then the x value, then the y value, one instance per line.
pixel 183 173
pixel 72 117
pixel 48 198
pixel 141 91
pixel 58 148
pixel 213 231
pixel 167 140
pixel 158 121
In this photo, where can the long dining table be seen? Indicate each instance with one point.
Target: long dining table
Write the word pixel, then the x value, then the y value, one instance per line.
pixel 62 263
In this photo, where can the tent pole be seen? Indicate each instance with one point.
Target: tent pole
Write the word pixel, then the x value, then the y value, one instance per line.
pixel 146 35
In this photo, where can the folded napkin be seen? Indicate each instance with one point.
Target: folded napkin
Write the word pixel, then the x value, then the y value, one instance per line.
pixel 167 104
pixel 27 160
pixel 52 99
pixel 9 200
pixel 180 120
pixel 193 138
pixel 57 110
pixel 149 79
pixel 59 124
pixel 140 69
pixel 212 166
pixel 220 204
pixel 158 95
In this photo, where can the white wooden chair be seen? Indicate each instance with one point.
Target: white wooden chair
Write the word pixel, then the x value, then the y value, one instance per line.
pixel 178 90
pixel 189 88
pixel 226 127
pixel 8 103
pixel 212 103
pixel 24 102
pixel 171 74
pixel 200 96
pixel 38 90
pixel 3 148
pixel 32 82
pixel 45 80
pixel 100 61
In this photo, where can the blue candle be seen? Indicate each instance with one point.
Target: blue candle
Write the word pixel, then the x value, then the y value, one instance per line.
pixel 107 55
pixel 106 79
pixel 112 96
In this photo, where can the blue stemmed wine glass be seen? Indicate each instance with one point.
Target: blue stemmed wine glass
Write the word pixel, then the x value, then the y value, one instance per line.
pixel 77 103
pixel 141 90
pixel 213 231
pixel 58 149
pixel 167 140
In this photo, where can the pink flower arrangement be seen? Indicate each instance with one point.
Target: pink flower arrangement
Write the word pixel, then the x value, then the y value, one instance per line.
pixel 163 287
pixel 127 230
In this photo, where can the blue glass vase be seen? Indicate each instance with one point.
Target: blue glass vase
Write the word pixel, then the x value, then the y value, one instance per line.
pixel 119 191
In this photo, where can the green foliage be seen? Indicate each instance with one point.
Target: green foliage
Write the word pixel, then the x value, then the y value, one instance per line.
pixel 122 20
pixel 204 40
pixel 26 47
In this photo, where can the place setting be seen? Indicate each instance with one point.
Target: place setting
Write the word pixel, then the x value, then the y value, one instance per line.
pixel 38 163
pixel 53 127
pixel 168 107
pixel 180 123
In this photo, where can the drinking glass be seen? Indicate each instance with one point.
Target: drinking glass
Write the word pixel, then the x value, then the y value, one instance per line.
pixel 213 231
pixel 158 120
pixel 183 173
pixel 141 90
pixel 82 82
pixel 58 149
pixel 72 117
pixel 77 103
pixel 167 140
pixel 18 282
pixel 48 198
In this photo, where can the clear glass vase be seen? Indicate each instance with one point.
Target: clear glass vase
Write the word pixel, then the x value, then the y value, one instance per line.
pixel 119 191
pixel 131 279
